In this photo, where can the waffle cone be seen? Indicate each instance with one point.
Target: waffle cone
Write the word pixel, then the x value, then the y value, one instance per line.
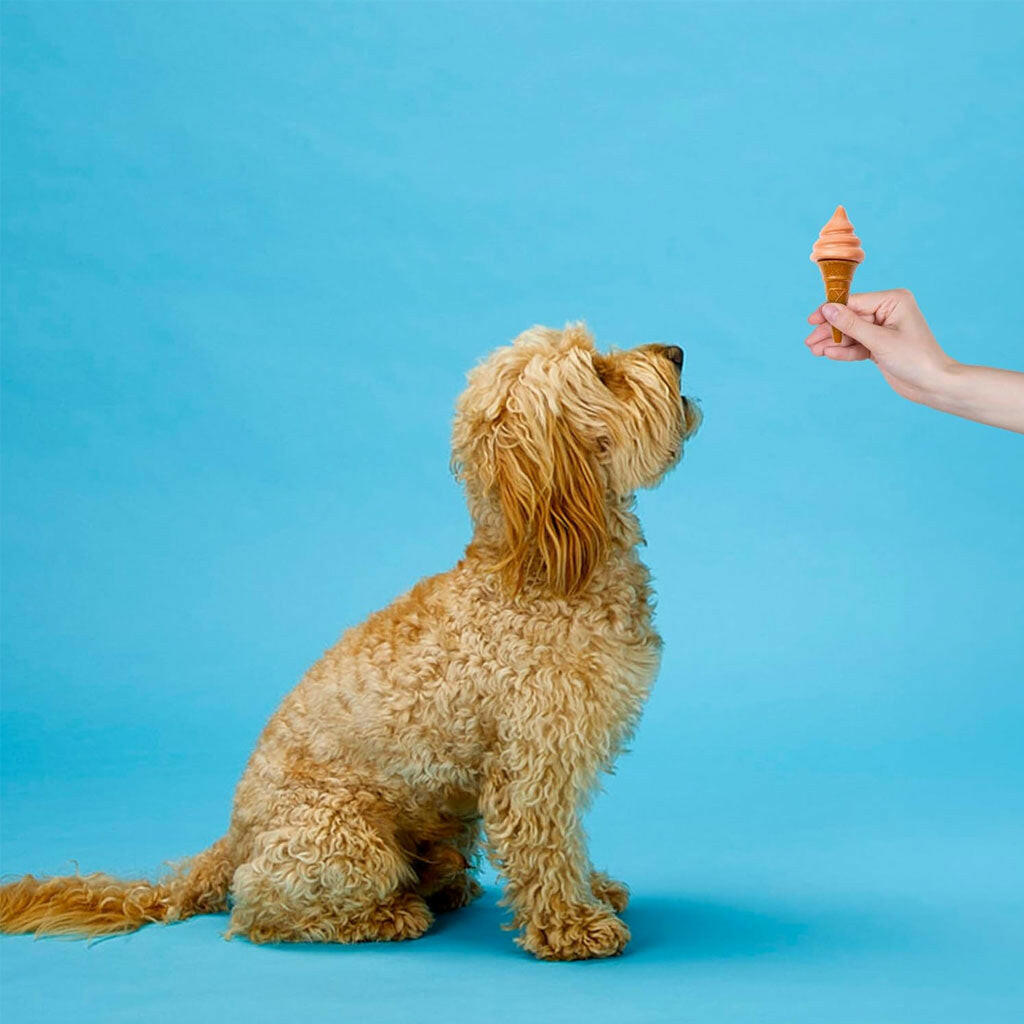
pixel 838 276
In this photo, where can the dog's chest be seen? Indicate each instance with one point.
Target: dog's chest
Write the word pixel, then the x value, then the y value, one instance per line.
pixel 600 647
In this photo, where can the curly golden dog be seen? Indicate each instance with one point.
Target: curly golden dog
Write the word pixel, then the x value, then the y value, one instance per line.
pixel 479 708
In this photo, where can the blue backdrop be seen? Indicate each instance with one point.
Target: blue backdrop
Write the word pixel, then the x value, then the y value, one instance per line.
pixel 249 251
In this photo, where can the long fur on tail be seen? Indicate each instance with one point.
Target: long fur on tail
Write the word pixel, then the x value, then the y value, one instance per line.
pixel 97 904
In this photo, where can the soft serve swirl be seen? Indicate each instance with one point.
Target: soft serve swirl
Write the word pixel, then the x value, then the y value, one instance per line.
pixel 837 241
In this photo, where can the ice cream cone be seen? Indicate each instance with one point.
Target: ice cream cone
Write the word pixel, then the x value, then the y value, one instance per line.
pixel 838 276
pixel 838 254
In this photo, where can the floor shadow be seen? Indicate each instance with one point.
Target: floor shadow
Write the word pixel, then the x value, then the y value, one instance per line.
pixel 686 928
pixel 694 929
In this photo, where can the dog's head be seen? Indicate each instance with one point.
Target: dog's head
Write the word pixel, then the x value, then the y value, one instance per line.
pixel 551 435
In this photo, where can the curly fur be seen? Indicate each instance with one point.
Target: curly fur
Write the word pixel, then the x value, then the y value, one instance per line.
pixel 485 700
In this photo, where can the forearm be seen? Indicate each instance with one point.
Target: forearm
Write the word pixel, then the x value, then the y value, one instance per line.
pixel 981 393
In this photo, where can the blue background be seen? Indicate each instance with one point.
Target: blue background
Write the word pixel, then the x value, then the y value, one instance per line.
pixel 249 252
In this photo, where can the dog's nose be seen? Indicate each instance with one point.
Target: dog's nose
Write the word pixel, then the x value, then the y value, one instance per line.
pixel 675 353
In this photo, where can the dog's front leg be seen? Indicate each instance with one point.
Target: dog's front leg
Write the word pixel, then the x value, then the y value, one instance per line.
pixel 530 804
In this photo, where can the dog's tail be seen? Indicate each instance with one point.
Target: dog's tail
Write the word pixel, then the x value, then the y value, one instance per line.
pixel 91 905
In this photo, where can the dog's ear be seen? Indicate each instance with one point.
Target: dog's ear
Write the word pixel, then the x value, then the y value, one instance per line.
pixel 551 496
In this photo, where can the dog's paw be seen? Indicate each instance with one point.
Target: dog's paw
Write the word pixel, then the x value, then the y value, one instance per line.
pixel 582 933
pixel 404 916
pixel 615 894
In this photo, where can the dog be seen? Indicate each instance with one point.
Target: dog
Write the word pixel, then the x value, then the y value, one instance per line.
pixel 478 709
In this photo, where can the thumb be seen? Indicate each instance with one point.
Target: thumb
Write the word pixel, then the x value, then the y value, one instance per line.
pixel 871 336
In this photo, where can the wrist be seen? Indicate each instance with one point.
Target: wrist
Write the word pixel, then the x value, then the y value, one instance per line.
pixel 961 390
pixel 947 386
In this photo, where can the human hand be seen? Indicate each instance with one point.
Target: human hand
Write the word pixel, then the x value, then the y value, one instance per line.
pixel 888 328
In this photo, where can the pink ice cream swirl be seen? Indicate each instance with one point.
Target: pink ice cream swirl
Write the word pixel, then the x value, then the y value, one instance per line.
pixel 837 240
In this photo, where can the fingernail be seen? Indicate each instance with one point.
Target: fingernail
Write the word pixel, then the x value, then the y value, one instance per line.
pixel 830 310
